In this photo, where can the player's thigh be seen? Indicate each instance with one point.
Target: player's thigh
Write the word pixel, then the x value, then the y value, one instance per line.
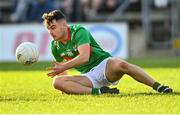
pixel 75 78
pixel 113 72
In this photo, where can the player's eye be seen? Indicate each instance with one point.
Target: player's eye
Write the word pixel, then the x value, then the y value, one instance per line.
pixel 53 27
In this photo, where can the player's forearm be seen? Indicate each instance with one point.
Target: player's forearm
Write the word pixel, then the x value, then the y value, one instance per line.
pixel 64 73
pixel 76 62
pixel 82 58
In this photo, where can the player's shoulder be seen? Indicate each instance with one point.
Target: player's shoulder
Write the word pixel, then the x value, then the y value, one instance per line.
pixel 76 27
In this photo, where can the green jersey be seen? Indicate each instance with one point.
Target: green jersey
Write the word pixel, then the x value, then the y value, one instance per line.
pixel 77 35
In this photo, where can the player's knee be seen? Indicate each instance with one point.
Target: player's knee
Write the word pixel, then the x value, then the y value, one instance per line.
pixel 58 83
pixel 123 66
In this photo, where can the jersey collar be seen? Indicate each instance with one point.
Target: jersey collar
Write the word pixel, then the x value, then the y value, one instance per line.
pixel 69 34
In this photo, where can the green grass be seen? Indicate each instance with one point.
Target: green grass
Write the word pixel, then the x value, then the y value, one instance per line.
pixel 31 92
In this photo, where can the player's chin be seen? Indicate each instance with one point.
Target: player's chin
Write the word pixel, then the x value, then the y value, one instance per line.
pixel 56 39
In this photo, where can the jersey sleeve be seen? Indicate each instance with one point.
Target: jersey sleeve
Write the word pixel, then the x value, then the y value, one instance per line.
pixel 54 52
pixel 82 36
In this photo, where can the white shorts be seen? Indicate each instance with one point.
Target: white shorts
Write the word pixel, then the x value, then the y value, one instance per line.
pixel 97 75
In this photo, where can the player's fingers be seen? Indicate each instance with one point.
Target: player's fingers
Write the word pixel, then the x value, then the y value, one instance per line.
pixel 55 62
pixel 51 74
pixel 53 69
pixel 49 68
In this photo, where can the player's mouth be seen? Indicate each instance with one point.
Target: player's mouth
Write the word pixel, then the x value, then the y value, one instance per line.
pixel 54 36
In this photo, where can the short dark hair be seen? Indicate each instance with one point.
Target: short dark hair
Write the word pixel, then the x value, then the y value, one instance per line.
pixel 53 15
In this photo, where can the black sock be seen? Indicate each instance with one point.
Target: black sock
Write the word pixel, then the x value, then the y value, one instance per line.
pixel 161 88
pixel 156 85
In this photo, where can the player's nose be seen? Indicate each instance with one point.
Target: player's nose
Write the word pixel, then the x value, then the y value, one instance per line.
pixel 51 33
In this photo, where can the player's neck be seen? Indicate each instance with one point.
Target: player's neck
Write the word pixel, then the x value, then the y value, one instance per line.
pixel 64 39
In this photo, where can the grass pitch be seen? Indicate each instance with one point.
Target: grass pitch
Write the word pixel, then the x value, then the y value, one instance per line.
pixel 27 90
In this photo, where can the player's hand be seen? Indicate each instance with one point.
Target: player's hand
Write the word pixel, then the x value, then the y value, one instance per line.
pixel 57 69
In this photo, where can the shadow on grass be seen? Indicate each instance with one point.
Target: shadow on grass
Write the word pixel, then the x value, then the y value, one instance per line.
pixel 20 99
pixel 144 94
pixel 25 99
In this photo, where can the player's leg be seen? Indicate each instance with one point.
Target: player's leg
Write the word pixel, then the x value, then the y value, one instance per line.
pixel 116 67
pixel 73 84
pixel 79 85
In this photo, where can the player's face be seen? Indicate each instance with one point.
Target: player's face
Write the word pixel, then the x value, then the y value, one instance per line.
pixel 57 29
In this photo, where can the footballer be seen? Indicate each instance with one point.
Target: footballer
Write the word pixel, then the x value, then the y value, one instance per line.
pixel 74 47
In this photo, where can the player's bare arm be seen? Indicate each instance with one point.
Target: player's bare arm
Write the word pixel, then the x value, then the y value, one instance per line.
pixel 83 57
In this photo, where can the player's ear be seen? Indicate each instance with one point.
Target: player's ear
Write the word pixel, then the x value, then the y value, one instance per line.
pixel 64 23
